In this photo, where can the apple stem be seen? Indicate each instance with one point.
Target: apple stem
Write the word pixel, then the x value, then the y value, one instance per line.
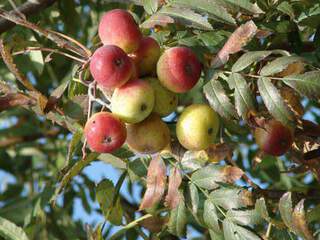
pixel 92 98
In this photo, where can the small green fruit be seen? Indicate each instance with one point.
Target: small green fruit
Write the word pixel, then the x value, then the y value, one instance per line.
pixel 133 101
pixel 165 100
pixel 197 127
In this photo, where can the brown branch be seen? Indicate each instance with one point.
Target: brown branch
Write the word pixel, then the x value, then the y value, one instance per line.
pixel 28 8
pixel 9 141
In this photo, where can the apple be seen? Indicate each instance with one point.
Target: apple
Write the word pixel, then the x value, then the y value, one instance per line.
pixel 117 27
pixel 105 132
pixel 197 127
pixel 165 100
pixel 147 55
pixel 178 69
pixel 149 136
pixel 274 138
pixel 133 101
pixel 110 66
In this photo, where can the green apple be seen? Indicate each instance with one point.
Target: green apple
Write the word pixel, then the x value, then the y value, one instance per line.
pixel 133 101
pixel 165 100
pixel 197 127
pixel 149 136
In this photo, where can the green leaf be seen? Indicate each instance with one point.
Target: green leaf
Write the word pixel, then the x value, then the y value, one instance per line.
pixel 210 216
pixel 188 17
pixel 138 168
pixel 249 58
pixel 286 8
pixel 75 140
pixel 36 58
pixel 237 198
pixel 300 223
pixel 105 196
pixel 216 236
pixel 178 220
pixel 279 65
pixel 244 100
pixel 209 176
pixel 273 101
pixel 244 5
pixel 193 160
pixel 212 7
pixel 307 84
pixel 234 232
pixel 150 6
pixel 219 100
pixel 194 198
pixel 285 208
pixel 244 217
pixel 261 208
pixel 10 231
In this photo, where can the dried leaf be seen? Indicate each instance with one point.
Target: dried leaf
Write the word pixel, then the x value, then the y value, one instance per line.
pixel 239 38
pixel 154 224
pixel 157 20
pixel 219 151
pixel 156 180
pixel 299 221
pixel 55 96
pixel 15 99
pixel 173 197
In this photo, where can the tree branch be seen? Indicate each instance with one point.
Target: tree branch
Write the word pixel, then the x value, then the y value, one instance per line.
pixel 28 8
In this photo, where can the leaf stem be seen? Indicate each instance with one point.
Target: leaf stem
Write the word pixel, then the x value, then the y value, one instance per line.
pixel 51 50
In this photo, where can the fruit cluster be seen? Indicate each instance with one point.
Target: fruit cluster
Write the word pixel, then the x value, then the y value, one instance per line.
pixel 145 87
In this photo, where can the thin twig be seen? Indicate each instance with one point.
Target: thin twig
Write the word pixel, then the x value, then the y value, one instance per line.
pixel 51 50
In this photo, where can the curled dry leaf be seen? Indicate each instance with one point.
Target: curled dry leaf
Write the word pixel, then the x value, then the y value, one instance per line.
pixel 300 223
pixel 156 180
pixel 173 197
pixel 293 100
pixel 232 174
pixel 15 99
pixel 239 38
pixel 217 152
pixel 154 224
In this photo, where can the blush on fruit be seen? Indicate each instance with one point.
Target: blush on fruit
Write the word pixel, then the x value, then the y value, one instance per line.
pixel 111 67
pixel 105 132
pixel 133 101
pixel 147 55
pixel 178 69
pixel 117 27
pixel 274 138
pixel 149 136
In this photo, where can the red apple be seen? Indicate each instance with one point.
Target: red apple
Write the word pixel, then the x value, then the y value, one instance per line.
pixel 178 69
pixel 105 132
pixel 111 67
pixel 147 55
pixel 274 138
pixel 117 27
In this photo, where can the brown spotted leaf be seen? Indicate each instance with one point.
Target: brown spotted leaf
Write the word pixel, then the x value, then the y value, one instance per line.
pixel 238 39
pixel 173 197
pixel 156 181
pixel 219 151
pixel 157 20
pixel 13 100
pixel 299 221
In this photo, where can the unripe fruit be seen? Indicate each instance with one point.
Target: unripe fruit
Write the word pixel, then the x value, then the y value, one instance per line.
pixel 149 136
pixel 110 66
pixel 165 100
pixel 147 55
pixel 117 27
pixel 134 101
pixel 274 138
pixel 105 132
pixel 178 69
pixel 197 127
